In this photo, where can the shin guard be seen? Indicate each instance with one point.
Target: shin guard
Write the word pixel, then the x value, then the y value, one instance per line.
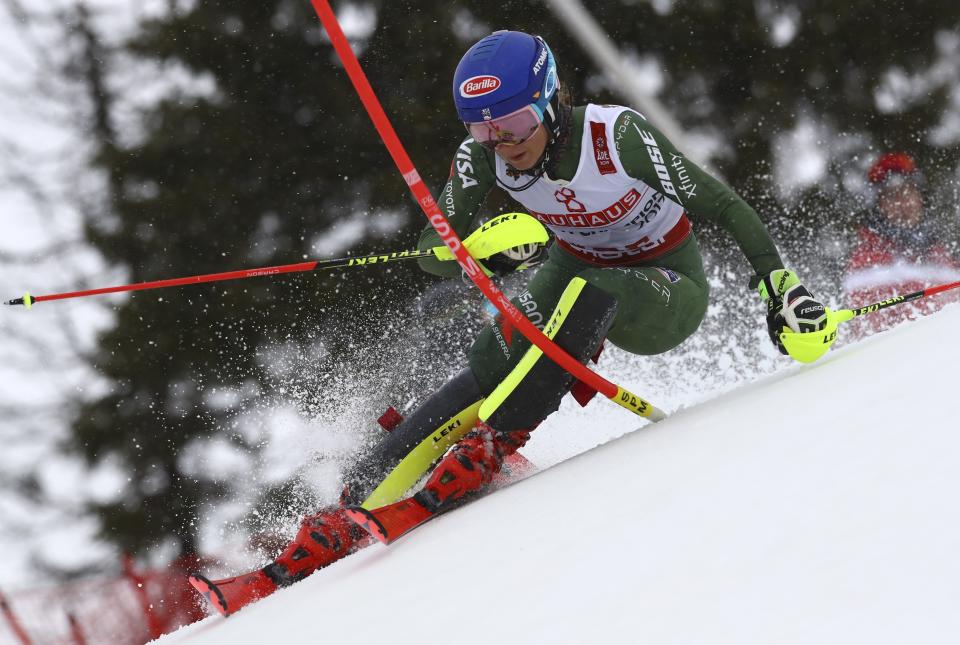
pixel 534 388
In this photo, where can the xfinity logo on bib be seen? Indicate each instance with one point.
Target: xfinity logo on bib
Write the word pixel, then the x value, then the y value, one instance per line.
pixel 478 86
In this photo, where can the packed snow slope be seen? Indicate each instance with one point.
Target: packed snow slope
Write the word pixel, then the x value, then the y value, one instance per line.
pixel 816 506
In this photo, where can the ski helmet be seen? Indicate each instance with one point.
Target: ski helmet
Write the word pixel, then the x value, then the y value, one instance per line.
pixel 503 75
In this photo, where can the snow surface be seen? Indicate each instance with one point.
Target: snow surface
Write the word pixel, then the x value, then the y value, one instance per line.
pixel 818 505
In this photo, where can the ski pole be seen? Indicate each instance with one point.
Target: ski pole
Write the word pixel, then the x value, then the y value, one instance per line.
pixel 810 346
pixel 435 216
pixel 498 234
pixel 314 265
pixel 849 314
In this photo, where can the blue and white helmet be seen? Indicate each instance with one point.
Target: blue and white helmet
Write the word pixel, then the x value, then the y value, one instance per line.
pixel 504 72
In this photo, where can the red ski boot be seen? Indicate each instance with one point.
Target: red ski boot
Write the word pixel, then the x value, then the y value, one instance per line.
pixel 470 465
pixel 322 539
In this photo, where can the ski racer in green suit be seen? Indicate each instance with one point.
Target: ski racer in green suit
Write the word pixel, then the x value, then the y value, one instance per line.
pixel 624 267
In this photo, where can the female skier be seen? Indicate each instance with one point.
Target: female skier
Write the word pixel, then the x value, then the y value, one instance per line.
pixel 625 267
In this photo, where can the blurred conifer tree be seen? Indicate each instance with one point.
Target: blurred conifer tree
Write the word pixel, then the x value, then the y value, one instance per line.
pixel 282 153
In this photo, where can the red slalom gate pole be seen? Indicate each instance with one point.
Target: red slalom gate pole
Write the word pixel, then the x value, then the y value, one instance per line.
pixel 12 620
pixel 440 223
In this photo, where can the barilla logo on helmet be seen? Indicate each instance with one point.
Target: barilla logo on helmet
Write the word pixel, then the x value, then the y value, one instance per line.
pixel 479 86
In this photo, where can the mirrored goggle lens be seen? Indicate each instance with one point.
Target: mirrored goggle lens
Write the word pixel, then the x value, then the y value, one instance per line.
pixel 513 129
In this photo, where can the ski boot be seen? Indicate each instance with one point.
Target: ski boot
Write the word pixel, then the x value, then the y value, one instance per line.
pixel 469 466
pixel 322 539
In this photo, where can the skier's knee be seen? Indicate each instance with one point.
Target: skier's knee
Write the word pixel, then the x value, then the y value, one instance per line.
pixel 533 389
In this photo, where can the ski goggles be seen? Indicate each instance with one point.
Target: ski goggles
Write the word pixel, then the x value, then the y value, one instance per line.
pixel 511 129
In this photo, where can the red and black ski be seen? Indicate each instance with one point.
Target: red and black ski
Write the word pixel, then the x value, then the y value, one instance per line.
pixel 389 522
pixel 386 524
pixel 230 594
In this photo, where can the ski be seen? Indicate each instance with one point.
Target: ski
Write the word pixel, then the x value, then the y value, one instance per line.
pixel 386 524
pixel 229 595
pixel 389 522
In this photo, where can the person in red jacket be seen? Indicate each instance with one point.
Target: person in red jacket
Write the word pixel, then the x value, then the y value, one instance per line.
pixel 899 248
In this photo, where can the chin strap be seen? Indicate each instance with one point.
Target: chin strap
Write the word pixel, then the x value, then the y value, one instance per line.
pixel 560 136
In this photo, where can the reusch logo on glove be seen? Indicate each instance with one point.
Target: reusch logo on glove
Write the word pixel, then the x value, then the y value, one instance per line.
pixel 478 86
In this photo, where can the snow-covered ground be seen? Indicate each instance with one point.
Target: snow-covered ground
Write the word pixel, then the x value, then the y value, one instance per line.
pixel 818 505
